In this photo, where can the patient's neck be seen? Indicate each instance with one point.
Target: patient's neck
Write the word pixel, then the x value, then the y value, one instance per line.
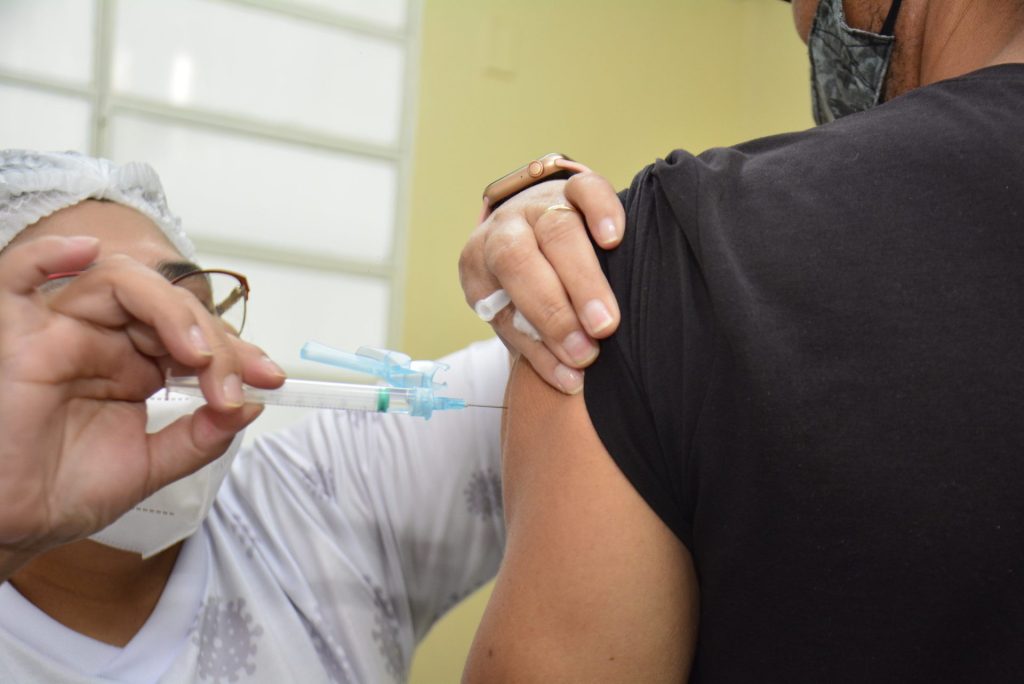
pixel 97 590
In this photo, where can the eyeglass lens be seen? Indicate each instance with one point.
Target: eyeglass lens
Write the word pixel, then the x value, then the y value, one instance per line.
pixel 221 293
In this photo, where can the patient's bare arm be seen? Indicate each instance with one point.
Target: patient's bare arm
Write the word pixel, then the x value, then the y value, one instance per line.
pixel 594 587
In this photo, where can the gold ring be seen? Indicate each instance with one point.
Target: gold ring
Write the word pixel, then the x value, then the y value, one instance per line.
pixel 559 207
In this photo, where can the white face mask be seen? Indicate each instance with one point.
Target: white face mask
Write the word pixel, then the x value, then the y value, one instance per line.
pixel 173 513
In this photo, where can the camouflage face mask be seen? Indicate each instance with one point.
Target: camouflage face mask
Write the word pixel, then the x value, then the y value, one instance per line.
pixel 848 65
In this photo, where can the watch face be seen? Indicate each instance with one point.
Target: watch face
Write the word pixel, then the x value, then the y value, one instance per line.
pixel 549 167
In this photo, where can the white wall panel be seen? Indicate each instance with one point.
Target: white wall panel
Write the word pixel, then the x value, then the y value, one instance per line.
pixel 250 62
pixel 290 305
pixel 276 195
pixel 33 119
pixel 243 111
pixel 390 14
pixel 50 38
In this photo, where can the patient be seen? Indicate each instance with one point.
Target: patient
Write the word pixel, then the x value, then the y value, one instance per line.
pixel 812 408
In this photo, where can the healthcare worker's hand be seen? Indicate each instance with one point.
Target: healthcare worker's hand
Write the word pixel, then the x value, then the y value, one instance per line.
pixel 535 247
pixel 75 370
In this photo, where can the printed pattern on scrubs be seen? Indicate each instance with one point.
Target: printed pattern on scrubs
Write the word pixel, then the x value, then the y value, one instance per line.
pixel 332 549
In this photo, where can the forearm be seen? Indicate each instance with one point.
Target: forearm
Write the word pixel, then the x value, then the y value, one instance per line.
pixel 424 495
pixel 446 504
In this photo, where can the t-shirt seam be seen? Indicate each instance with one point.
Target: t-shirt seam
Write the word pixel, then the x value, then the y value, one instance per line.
pixel 689 507
pixel 690 455
pixel 984 75
pixel 988 74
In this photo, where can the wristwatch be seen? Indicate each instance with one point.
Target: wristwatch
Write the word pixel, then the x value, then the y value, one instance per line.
pixel 549 167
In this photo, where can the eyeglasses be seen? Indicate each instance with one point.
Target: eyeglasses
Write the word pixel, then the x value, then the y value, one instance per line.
pixel 225 294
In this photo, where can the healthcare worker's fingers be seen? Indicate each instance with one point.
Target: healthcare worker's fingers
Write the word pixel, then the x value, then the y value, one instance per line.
pixel 221 379
pixel 146 339
pixel 119 291
pixel 258 369
pixel 26 266
pixel 101 364
pixel 192 441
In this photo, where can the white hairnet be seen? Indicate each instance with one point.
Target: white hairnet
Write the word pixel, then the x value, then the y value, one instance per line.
pixel 33 185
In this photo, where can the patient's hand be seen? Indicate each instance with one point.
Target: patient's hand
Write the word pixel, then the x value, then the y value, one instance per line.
pixel 535 247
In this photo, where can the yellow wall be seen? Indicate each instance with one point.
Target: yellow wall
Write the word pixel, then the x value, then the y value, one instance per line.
pixel 613 83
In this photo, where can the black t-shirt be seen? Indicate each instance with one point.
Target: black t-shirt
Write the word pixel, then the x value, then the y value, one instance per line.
pixel 818 384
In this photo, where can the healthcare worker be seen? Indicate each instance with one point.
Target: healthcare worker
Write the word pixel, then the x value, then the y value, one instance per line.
pixel 319 554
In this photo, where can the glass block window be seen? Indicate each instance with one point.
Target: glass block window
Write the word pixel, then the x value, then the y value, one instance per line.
pixel 280 128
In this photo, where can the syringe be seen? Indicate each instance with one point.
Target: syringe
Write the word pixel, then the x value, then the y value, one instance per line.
pixel 415 401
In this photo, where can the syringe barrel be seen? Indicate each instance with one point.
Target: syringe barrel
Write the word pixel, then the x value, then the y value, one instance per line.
pixel 315 394
pixel 415 401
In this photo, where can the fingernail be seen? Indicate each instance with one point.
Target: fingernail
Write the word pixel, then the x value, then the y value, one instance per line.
pixel 597 316
pixel 273 367
pixel 195 335
pixel 579 348
pixel 571 381
pixel 83 240
pixel 233 390
pixel 607 233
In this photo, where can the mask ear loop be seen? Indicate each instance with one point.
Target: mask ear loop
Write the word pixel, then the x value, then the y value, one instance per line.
pixel 889 27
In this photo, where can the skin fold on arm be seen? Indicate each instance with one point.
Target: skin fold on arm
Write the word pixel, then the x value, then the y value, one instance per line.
pixel 594 587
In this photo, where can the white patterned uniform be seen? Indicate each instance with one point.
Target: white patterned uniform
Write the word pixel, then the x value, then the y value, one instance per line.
pixel 332 548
